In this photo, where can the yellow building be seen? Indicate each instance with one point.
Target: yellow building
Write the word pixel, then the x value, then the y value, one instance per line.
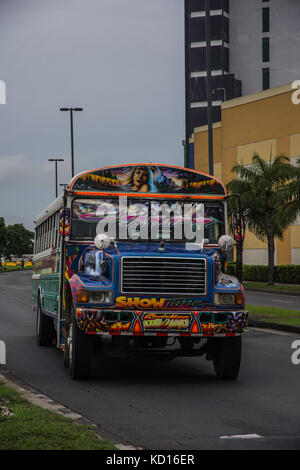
pixel 267 123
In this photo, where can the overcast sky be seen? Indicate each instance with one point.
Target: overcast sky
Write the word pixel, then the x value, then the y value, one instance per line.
pixel 121 60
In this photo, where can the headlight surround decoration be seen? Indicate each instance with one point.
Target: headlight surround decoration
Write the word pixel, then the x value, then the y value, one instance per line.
pixel 95 297
pixel 227 298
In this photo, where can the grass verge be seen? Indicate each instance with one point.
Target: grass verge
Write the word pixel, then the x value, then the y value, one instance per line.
pixel 14 268
pixel 280 316
pixel 276 287
pixel 32 428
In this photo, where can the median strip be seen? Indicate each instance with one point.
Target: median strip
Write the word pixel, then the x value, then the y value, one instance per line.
pixel 274 317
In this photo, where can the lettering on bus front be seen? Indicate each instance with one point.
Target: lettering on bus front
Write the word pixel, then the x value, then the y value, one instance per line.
pixel 137 302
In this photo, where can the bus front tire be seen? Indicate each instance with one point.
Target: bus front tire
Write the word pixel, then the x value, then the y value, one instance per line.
pixel 226 354
pixel 45 331
pixel 80 349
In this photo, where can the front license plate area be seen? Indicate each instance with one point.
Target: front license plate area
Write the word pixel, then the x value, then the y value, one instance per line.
pixel 160 322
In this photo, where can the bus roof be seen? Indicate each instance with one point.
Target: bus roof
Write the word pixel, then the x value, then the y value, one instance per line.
pixel 53 207
pixel 149 178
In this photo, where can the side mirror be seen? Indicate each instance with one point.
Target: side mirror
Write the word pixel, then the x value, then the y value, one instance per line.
pixel 102 241
pixel 64 221
pixel 226 243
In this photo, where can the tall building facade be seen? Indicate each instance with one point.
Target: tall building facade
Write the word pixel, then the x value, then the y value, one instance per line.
pixel 255 45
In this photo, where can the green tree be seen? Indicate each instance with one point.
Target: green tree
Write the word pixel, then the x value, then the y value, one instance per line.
pixel 265 189
pixel 293 193
pixel 19 240
pixel 3 238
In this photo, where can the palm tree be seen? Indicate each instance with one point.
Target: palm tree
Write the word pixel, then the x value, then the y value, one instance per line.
pixel 266 196
pixel 293 193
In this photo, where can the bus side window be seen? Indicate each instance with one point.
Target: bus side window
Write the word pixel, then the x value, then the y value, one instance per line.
pixel 51 232
pixel 35 236
pixel 56 227
pixel 43 235
pixel 54 230
pixel 46 234
pixel 37 231
pixel 39 239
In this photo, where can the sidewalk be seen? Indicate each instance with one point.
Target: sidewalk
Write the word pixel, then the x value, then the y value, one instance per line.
pixel 273 326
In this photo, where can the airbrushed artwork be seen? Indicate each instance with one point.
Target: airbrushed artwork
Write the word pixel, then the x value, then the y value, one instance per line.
pixel 148 179
pixel 194 323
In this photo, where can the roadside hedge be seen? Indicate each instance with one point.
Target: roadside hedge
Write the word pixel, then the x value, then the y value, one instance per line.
pixel 284 274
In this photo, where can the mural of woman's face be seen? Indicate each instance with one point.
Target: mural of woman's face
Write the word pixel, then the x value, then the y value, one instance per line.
pixel 140 177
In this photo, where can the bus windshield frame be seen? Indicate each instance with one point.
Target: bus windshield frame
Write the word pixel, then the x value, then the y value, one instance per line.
pixel 85 217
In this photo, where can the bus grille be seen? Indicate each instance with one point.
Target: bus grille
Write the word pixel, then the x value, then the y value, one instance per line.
pixel 155 275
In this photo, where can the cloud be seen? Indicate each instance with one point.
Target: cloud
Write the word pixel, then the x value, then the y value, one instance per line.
pixel 121 60
pixel 12 168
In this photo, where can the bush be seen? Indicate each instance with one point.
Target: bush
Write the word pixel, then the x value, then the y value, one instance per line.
pixel 284 274
pixel 231 267
pixel 288 274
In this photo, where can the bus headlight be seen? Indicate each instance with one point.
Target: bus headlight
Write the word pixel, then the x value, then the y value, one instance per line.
pixel 94 297
pixel 228 299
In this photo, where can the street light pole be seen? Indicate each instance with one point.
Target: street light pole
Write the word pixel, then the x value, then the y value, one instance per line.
pixel 209 88
pixel 187 87
pixel 72 134
pixel 72 141
pixel 55 160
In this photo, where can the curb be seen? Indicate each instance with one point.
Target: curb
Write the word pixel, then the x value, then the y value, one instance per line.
pixel 43 401
pixel 273 326
pixel 266 291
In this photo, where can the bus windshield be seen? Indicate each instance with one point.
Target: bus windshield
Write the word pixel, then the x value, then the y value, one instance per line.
pixel 153 220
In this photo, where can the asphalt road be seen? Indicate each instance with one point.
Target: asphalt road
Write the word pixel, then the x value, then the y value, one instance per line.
pixel 178 405
pixel 290 302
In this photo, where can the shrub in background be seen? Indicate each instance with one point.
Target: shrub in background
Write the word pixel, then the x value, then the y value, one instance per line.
pixel 284 274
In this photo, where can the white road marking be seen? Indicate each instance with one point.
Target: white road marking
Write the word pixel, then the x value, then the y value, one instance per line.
pixel 242 436
pixel 282 301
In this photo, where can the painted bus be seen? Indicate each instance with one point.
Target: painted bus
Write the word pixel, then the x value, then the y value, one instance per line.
pixel 131 257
